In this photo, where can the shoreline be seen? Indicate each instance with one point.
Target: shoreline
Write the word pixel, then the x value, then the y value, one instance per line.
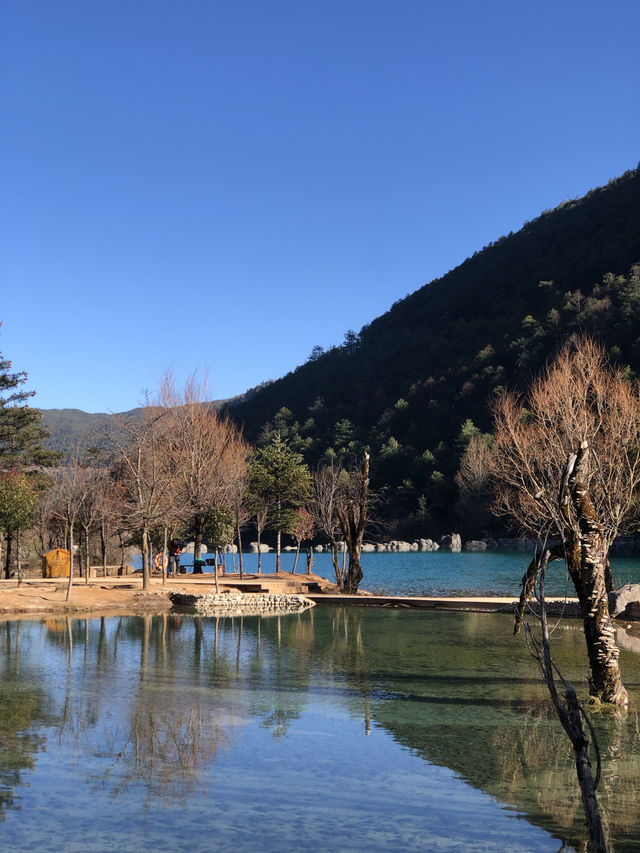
pixel 34 598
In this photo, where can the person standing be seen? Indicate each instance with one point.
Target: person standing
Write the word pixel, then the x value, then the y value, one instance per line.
pixel 175 550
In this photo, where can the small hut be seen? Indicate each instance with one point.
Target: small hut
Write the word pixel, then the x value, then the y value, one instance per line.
pixel 56 563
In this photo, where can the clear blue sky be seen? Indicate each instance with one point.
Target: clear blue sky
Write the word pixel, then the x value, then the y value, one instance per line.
pixel 223 184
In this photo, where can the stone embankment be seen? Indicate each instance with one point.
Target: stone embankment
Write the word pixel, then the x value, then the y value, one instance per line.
pixel 453 542
pixel 239 604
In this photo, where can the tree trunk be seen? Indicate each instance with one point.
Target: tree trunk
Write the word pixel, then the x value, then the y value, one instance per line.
pixel 259 554
pixel 8 556
pixel 353 521
pixel 164 555
pixel 354 572
pixel 18 563
pixel 145 557
pixel 309 559
pixel 121 538
pixel 87 556
pixel 295 562
pixel 70 584
pixel 239 538
pixel 570 716
pixel 278 544
pixel 597 835
pixel 103 548
pixel 587 560
pixel 335 559
pixel 197 543
pixel 586 567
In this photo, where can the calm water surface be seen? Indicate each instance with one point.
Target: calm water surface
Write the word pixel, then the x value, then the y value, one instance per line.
pixel 330 730
pixel 440 572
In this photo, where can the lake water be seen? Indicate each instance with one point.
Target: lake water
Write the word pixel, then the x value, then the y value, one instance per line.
pixel 335 729
pixel 440 572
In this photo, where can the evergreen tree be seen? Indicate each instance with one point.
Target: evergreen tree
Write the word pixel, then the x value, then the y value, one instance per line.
pixel 17 510
pixel 280 479
pixel 21 428
pixel 21 437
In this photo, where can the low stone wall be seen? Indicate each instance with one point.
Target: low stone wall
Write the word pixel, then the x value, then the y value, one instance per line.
pixel 238 604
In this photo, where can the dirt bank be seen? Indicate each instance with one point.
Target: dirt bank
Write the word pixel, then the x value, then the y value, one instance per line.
pixel 125 595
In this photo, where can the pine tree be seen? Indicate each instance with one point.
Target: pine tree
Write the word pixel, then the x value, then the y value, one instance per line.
pixel 280 479
pixel 18 501
pixel 21 435
pixel 21 429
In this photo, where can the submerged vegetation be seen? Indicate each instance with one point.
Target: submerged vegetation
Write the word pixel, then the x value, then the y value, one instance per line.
pixel 204 722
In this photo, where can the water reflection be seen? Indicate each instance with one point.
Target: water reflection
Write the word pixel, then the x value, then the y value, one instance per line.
pixel 169 709
pixel 23 709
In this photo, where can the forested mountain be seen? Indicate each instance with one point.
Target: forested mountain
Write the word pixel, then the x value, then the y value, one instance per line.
pixel 416 383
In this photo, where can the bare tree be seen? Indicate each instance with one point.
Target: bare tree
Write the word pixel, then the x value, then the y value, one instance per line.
pixel 240 503
pixel 143 469
pixel 352 512
pixel 208 456
pixel 89 511
pixel 566 464
pixel 67 497
pixel 111 512
pixel 326 495
pixel 302 529
pixel 340 507
pixel 474 482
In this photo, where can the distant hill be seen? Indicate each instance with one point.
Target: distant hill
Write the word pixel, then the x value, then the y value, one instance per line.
pixel 73 428
pixel 415 383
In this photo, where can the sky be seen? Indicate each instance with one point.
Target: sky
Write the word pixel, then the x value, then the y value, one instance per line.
pixel 219 186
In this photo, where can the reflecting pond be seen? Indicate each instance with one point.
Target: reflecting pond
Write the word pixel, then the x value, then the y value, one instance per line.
pixel 334 729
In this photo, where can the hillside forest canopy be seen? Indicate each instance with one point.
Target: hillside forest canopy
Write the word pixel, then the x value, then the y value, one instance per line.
pixel 415 386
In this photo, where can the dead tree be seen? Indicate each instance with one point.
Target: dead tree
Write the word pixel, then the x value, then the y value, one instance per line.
pixel 571 714
pixel 352 511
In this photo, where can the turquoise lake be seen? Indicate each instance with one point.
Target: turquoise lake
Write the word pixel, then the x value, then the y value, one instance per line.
pixel 438 573
pixel 330 730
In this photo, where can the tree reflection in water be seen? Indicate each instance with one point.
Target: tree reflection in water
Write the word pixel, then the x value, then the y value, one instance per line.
pixel 23 710
pixel 467 703
pixel 161 702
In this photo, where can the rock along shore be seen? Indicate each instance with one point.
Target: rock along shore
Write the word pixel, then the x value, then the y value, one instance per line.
pixel 239 604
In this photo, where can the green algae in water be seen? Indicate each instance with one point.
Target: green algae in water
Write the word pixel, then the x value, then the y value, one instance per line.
pixel 329 730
